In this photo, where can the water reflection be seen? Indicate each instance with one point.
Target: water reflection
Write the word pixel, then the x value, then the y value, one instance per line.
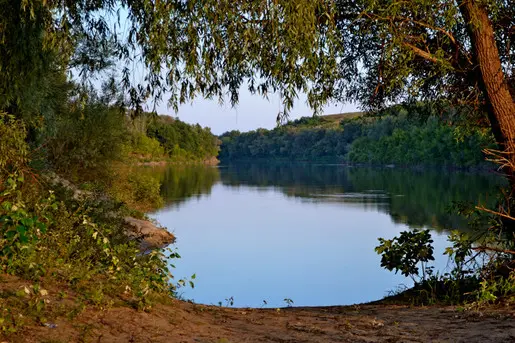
pixel 411 197
pixel 305 232
pixel 180 183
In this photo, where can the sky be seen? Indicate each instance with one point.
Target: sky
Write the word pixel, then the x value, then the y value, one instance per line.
pixel 251 113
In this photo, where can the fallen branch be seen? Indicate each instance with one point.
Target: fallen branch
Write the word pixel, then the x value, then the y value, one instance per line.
pixel 481 208
pixel 485 248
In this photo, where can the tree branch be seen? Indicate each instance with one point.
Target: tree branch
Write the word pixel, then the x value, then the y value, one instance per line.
pixel 424 54
pixel 485 248
pixel 439 29
pixel 482 208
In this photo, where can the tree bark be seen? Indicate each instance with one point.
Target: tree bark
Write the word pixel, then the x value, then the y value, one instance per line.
pixel 500 103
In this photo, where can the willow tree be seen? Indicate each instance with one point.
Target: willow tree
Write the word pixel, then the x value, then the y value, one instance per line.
pixel 374 52
pixel 186 48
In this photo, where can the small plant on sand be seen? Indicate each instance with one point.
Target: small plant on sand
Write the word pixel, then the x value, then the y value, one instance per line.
pixel 228 302
pixel 411 250
pixel 288 301
pixel 406 252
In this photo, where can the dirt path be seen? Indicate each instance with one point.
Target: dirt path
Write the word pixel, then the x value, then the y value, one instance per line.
pixel 185 322
pixel 174 321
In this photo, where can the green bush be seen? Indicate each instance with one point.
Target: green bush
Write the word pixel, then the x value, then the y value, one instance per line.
pixel 86 139
pixel 145 147
pixel 405 252
pixel 13 148
pixel 138 190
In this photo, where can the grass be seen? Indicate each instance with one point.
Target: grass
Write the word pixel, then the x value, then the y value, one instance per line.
pixel 337 118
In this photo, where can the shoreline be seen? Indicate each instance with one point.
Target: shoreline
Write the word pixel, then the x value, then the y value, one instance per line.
pixel 420 167
pixel 209 162
pixel 173 320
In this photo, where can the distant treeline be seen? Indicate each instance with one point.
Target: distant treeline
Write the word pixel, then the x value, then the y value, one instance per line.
pixel 403 135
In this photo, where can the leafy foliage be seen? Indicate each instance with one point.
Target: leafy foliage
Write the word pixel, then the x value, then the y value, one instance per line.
pixel 395 51
pixel 86 137
pixel 13 148
pixel 405 252
pixel 181 140
pixel 20 227
pixel 209 47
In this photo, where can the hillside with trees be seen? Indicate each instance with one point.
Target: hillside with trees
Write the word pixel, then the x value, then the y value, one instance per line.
pixel 183 141
pixel 413 135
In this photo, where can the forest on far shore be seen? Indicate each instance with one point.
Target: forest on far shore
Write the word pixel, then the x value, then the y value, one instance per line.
pixel 416 134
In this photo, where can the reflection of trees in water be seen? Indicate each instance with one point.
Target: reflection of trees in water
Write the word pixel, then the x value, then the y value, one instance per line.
pixel 428 195
pixel 180 183
pixel 415 198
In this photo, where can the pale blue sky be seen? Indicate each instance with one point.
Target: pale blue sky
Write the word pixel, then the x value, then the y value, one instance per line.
pixel 251 113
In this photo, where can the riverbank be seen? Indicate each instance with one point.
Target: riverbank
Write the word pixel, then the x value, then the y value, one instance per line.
pixel 213 161
pixel 485 168
pixel 170 320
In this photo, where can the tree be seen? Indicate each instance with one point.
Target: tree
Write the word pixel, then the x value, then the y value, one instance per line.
pixel 458 51
pixel 375 52
pixel 189 48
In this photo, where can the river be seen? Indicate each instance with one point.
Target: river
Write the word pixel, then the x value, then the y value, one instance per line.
pixel 257 234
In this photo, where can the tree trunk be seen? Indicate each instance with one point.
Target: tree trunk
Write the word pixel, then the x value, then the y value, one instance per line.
pixel 500 104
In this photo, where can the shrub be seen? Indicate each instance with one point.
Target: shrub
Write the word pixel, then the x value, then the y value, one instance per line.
pixel 86 139
pixel 146 147
pixel 405 252
pixel 13 148
pixel 138 190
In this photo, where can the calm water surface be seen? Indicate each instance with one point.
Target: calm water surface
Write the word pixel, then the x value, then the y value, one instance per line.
pixel 258 232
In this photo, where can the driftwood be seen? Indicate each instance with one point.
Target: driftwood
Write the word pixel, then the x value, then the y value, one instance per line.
pixel 485 248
